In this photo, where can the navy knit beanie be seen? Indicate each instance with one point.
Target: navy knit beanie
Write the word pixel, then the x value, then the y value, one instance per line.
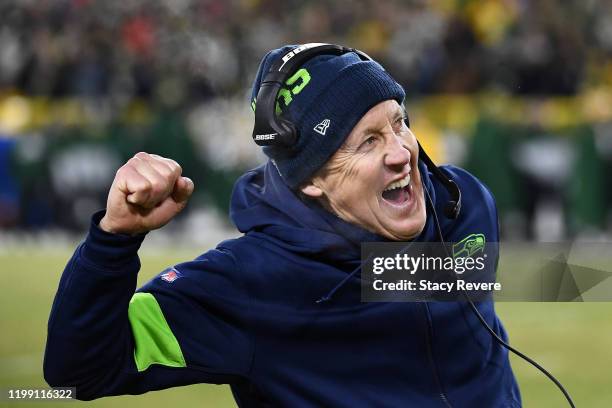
pixel 325 102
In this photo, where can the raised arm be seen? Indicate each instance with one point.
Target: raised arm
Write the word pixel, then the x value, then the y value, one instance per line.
pixel 105 339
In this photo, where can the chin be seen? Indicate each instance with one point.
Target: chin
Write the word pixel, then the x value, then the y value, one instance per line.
pixel 408 235
pixel 409 230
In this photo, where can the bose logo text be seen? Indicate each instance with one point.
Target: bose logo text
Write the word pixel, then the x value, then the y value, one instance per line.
pixel 297 50
pixel 268 136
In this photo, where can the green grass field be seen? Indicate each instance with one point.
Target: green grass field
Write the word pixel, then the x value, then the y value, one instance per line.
pixel 574 341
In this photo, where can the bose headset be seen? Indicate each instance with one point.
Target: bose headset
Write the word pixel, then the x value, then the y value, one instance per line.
pixel 274 130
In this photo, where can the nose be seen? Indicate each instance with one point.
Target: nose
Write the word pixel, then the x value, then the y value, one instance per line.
pixel 397 154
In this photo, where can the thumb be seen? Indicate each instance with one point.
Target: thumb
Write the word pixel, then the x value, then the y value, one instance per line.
pixel 182 190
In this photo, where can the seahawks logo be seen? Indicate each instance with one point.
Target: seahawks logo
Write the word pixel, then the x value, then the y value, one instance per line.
pixel 469 245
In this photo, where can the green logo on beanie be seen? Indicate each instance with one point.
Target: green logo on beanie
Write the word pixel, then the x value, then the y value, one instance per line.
pixel 285 95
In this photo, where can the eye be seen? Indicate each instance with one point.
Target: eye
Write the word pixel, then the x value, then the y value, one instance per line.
pixel 370 141
pixel 400 122
pixel 398 125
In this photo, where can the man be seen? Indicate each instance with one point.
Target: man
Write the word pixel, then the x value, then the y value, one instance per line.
pixel 275 313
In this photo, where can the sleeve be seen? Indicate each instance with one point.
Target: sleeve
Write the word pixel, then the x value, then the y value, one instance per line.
pixel 188 325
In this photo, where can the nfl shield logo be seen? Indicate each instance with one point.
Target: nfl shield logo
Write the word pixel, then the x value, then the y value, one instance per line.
pixel 171 275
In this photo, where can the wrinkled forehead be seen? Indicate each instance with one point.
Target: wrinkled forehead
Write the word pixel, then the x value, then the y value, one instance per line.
pixel 377 118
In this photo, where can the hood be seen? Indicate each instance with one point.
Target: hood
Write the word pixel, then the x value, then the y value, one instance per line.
pixel 262 204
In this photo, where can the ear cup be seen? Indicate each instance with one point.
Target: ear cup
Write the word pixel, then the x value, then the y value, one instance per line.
pixel 287 132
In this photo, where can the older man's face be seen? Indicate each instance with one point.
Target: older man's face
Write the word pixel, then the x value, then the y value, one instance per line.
pixel 373 179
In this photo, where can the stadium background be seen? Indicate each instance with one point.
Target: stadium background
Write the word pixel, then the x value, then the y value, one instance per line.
pixel 518 92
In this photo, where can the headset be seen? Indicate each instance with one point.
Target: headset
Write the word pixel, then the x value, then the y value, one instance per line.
pixel 274 130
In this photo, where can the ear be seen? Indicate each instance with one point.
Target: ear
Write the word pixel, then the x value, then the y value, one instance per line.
pixel 311 190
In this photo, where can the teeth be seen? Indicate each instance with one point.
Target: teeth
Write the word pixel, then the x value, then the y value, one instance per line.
pixel 399 184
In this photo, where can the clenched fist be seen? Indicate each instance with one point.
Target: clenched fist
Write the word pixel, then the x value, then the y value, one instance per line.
pixel 147 192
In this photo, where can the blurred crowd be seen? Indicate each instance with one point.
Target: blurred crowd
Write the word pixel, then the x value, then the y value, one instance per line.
pixel 85 84
pixel 195 49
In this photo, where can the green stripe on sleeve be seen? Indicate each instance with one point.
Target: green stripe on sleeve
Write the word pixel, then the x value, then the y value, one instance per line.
pixel 154 341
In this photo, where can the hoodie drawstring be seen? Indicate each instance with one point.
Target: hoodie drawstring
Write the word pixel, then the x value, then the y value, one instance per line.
pixel 331 293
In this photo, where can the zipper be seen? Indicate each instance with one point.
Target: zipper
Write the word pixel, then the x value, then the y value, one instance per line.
pixel 428 339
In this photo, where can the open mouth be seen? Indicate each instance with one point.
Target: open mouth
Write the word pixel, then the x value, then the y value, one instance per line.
pixel 398 192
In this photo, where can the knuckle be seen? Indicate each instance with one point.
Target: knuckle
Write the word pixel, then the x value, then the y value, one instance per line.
pixel 158 187
pixel 141 155
pixel 166 171
pixel 145 186
pixel 177 167
pixel 162 167
pixel 123 170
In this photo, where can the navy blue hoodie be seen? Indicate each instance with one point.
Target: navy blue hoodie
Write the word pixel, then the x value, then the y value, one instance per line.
pixel 246 313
